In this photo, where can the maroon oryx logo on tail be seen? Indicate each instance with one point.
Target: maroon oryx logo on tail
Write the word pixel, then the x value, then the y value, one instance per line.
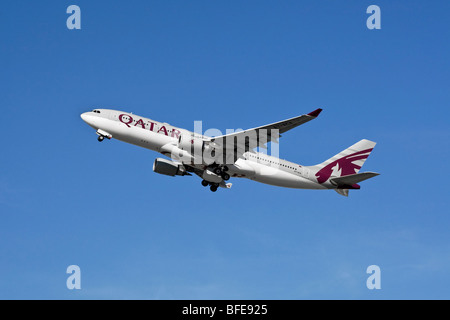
pixel 345 165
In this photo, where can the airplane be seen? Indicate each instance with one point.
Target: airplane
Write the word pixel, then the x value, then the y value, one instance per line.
pixel 217 159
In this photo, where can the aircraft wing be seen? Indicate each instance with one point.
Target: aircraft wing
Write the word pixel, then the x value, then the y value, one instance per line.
pixel 247 140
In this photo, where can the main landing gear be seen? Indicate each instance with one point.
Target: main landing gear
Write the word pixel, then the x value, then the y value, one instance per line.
pixel 213 186
pixel 205 183
pixel 222 171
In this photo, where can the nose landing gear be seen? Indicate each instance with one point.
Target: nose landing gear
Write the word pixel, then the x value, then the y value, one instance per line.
pixel 102 135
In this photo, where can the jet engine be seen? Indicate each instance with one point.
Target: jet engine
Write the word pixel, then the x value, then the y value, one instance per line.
pixel 169 168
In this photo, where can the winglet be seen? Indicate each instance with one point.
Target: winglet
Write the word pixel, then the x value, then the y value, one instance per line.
pixel 315 113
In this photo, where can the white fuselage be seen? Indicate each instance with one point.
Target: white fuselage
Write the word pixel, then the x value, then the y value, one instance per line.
pixel 156 136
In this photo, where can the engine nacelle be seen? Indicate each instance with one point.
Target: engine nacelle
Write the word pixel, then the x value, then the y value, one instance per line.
pixel 169 168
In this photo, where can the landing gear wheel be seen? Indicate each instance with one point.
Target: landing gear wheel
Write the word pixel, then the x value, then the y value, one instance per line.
pixel 205 183
pixel 100 138
pixel 225 168
pixel 217 171
pixel 225 176
pixel 213 188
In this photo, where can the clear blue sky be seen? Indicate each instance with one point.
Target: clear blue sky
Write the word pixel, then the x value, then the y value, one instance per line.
pixel 67 199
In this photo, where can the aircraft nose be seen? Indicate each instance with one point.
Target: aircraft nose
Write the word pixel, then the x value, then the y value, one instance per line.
pixel 88 118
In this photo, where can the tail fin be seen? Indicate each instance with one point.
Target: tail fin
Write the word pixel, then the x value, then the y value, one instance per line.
pixel 346 163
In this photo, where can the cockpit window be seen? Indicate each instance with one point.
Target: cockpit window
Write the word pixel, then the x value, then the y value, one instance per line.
pixel 96 111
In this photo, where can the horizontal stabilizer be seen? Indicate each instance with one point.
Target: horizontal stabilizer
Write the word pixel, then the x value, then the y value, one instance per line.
pixel 352 179
pixel 342 192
